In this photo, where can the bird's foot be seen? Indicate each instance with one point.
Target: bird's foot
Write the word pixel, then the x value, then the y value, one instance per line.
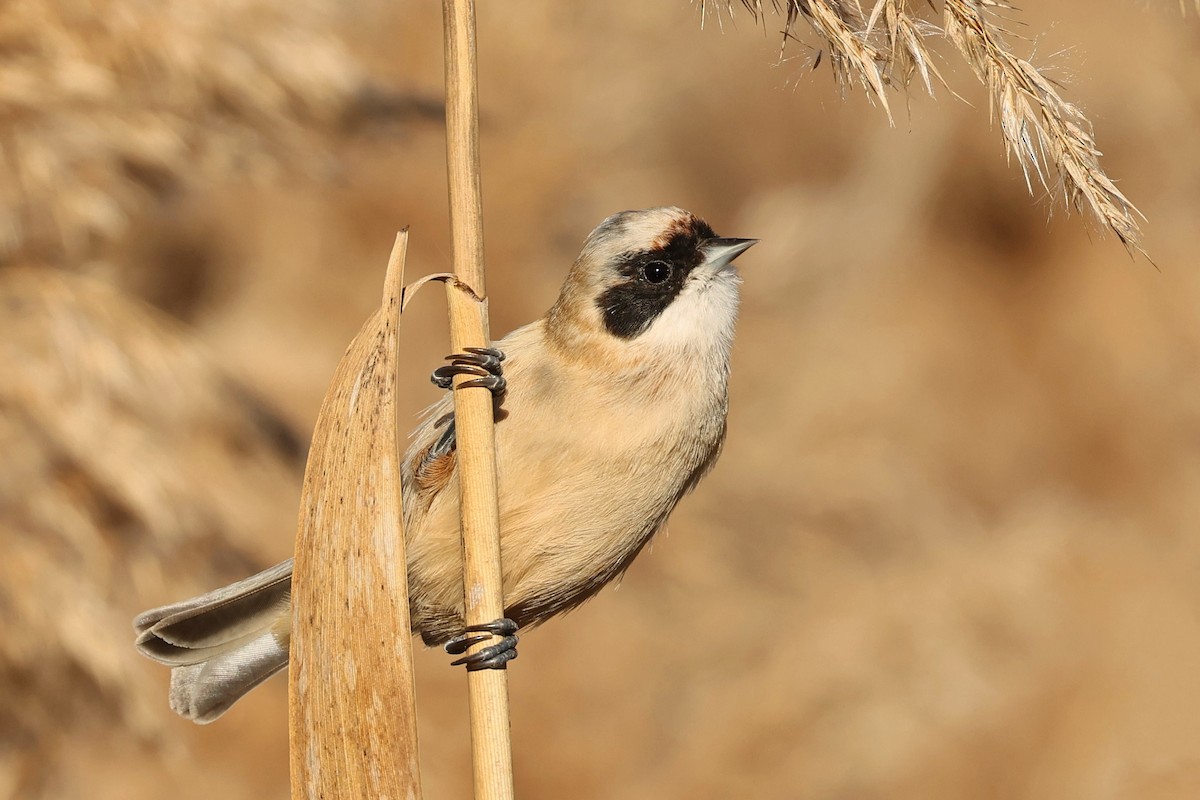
pixel 494 656
pixel 482 362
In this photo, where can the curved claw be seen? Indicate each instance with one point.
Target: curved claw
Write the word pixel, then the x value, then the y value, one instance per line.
pixel 497 627
pixel 495 383
pixel 444 376
pixel 484 363
pixel 487 351
pixel 488 358
pixel 491 657
pixel 457 647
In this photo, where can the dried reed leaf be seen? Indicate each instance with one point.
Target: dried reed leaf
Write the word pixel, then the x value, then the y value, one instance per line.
pixel 355 738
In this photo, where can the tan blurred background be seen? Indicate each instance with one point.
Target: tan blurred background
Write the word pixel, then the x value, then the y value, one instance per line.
pixel 952 548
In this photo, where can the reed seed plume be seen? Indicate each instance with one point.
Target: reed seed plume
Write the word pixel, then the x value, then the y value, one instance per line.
pixel 1048 136
pixel 853 54
pixel 1040 129
pixel 905 39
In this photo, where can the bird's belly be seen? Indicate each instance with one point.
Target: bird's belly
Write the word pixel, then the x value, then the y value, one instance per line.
pixel 559 554
pixel 575 519
pixel 576 507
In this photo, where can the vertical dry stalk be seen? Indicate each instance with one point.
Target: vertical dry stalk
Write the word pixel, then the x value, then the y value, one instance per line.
pixel 352 706
pixel 483 599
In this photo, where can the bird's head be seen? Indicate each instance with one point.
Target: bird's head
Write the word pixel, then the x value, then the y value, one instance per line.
pixel 658 278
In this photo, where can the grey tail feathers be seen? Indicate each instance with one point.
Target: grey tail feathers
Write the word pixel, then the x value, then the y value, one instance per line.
pixel 222 644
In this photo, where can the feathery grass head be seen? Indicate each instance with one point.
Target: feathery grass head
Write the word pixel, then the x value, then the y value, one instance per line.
pixel 1041 130
pixel 1049 137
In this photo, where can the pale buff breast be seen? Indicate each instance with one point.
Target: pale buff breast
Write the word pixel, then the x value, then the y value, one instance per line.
pixel 590 463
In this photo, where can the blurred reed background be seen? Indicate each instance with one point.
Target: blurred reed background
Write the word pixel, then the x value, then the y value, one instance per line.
pixel 962 562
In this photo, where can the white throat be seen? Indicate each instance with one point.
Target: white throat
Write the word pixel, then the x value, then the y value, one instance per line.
pixel 700 321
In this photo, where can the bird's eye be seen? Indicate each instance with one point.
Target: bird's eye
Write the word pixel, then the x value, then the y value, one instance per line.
pixel 656 271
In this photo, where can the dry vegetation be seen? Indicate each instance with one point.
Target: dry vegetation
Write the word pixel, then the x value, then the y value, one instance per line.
pixel 112 108
pixel 129 456
pixel 1049 137
pixel 963 562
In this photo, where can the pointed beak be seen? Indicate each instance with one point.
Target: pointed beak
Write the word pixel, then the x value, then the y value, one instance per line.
pixel 718 253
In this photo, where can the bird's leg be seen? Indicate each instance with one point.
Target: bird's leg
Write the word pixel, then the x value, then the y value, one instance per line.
pixel 482 362
pixel 485 363
pixel 494 656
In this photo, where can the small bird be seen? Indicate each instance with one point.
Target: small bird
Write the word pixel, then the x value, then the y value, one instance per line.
pixel 610 408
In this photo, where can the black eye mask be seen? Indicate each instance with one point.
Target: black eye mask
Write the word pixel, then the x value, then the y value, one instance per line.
pixel 651 280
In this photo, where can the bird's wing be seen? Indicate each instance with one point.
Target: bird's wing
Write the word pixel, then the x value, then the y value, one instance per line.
pixel 435 464
pixel 429 462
